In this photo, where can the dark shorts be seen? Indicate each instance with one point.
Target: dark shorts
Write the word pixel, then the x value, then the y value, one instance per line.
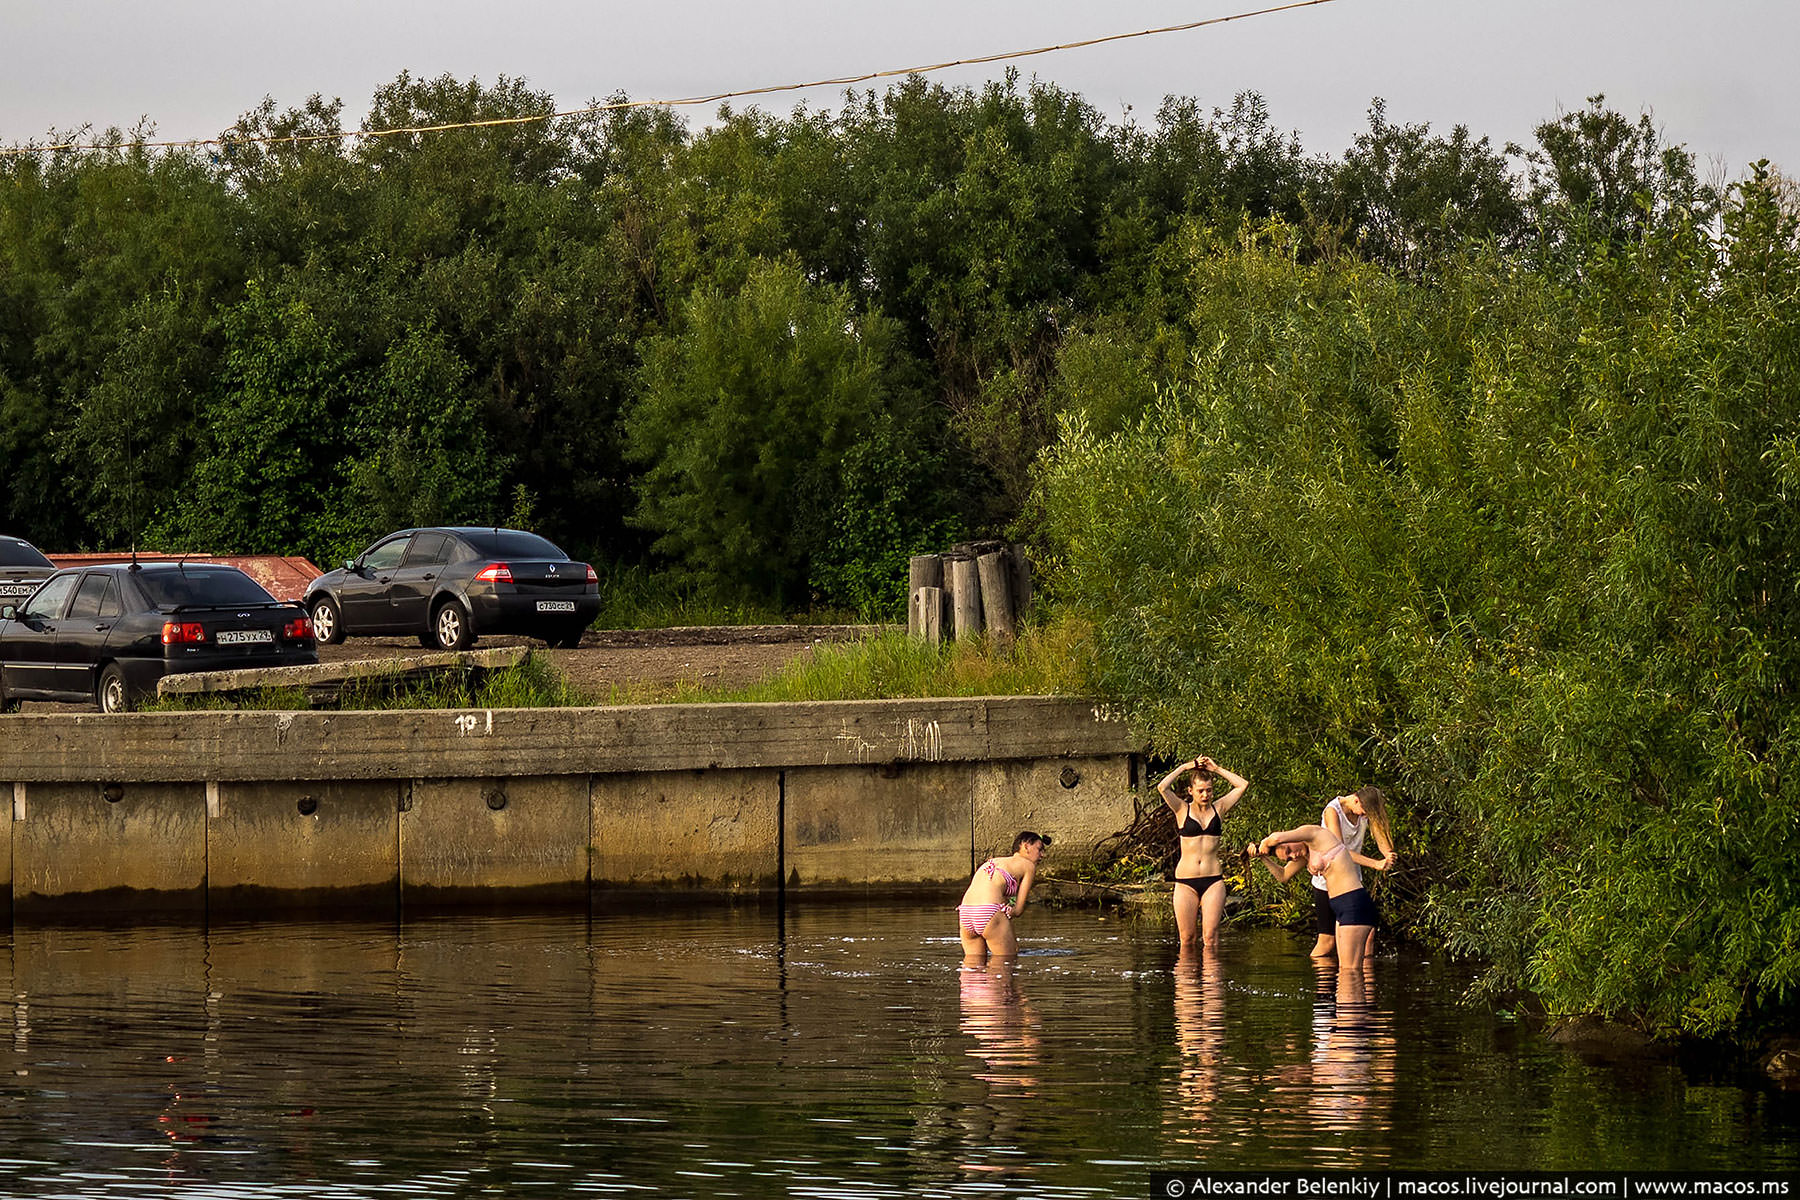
pixel 1324 920
pixel 1354 908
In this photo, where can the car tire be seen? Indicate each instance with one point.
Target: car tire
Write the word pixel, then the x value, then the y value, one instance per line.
pixel 8 704
pixel 112 693
pixel 451 627
pixel 327 621
pixel 569 640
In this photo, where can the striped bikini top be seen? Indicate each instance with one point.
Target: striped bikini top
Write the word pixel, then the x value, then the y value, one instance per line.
pixel 1011 887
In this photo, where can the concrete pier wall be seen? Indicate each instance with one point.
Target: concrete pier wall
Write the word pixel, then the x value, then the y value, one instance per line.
pixel 370 811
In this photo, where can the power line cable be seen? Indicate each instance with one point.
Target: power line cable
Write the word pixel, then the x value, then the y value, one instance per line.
pixel 622 105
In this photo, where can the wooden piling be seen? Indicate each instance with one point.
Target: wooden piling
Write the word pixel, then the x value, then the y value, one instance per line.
pixel 965 598
pixel 922 571
pixel 925 615
pixel 995 572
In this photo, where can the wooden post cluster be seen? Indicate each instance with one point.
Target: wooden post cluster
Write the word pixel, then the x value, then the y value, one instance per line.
pixel 971 588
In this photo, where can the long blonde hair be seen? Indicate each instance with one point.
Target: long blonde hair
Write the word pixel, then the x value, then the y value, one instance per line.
pixel 1374 805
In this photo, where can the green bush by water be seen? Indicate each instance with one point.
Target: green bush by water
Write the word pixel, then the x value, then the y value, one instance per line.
pixel 1521 547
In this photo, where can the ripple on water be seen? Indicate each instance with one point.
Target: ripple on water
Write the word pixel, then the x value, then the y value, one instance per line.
pixel 845 1051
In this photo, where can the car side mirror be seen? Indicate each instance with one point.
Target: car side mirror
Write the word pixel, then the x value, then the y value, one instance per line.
pixel 350 566
pixel 8 612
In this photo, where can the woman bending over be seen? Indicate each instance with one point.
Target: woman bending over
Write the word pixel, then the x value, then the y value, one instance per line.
pixel 1322 852
pixel 997 895
pixel 1199 879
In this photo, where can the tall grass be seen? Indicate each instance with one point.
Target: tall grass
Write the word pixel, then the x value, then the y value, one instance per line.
pixel 1054 658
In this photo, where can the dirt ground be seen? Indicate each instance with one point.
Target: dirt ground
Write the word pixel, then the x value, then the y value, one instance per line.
pixel 649 661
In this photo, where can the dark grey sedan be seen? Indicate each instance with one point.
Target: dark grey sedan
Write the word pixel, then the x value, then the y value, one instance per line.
pixel 22 568
pixel 109 633
pixel 450 584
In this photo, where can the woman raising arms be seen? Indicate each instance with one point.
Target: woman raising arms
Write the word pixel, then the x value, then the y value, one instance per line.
pixel 1199 879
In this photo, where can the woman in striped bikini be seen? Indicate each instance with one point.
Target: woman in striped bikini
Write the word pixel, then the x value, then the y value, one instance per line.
pixel 996 896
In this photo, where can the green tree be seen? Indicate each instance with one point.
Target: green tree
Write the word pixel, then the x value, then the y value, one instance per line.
pixel 748 413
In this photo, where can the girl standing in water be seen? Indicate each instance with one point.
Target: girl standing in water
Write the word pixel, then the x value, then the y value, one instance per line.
pixel 1351 818
pixel 1323 853
pixel 1199 879
pixel 996 896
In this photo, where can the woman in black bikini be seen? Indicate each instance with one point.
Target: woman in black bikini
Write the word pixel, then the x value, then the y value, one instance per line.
pixel 1199 879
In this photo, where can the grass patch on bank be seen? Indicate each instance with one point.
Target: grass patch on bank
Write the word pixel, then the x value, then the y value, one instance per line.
pixel 1053 659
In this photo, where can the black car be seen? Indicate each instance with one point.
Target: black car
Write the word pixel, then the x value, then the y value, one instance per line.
pixel 22 568
pixel 108 633
pixel 448 586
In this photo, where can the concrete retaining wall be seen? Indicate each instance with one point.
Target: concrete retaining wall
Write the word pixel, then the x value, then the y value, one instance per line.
pixel 368 811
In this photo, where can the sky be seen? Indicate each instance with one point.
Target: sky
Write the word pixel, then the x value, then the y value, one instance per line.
pixel 1716 77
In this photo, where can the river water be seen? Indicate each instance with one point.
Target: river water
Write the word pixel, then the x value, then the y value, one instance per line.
pixel 838 1051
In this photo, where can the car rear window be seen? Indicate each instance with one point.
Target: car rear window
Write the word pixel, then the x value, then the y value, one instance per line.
pixel 14 553
pixel 512 543
pixel 168 588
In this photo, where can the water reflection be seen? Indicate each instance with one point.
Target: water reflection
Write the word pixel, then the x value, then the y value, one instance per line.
pixel 996 1014
pixel 1353 1061
pixel 1199 1034
pixel 719 1051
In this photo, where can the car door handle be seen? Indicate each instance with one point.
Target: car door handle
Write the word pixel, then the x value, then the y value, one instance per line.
pixel 429 578
pixel 101 628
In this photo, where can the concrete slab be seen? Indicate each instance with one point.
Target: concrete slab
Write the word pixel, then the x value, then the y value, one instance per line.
pixel 326 845
pixel 687 828
pixel 905 823
pixel 100 848
pixel 1077 801
pixel 334 675
pixel 495 840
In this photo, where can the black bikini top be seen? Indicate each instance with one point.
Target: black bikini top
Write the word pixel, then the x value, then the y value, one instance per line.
pixel 1193 828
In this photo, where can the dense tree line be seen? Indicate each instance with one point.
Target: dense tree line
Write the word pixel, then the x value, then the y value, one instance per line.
pixel 1466 469
pixel 777 353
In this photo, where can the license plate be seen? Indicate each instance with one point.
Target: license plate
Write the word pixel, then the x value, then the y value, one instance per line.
pixel 241 637
pixel 17 589
pixel 556 606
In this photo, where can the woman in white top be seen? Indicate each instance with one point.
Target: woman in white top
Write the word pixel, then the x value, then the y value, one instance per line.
pixel 1351 817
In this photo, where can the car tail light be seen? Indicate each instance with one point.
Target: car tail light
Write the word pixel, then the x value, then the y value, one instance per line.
pixel 592 577
pixel 495 573
pixel 181 633
pixel 298 629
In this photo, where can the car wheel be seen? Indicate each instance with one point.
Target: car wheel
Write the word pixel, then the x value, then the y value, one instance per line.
pixel 111 694
pixel 451 625
pixel 328 624
pixel 569 640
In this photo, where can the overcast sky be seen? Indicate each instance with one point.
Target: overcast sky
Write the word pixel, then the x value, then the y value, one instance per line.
pixel 1719 77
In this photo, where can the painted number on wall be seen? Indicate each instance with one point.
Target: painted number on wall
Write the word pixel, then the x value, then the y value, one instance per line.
pixel 468 723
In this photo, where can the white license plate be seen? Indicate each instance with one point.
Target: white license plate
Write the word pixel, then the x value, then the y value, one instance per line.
pixel 17 589
pixel 556 606
pixel 241 637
